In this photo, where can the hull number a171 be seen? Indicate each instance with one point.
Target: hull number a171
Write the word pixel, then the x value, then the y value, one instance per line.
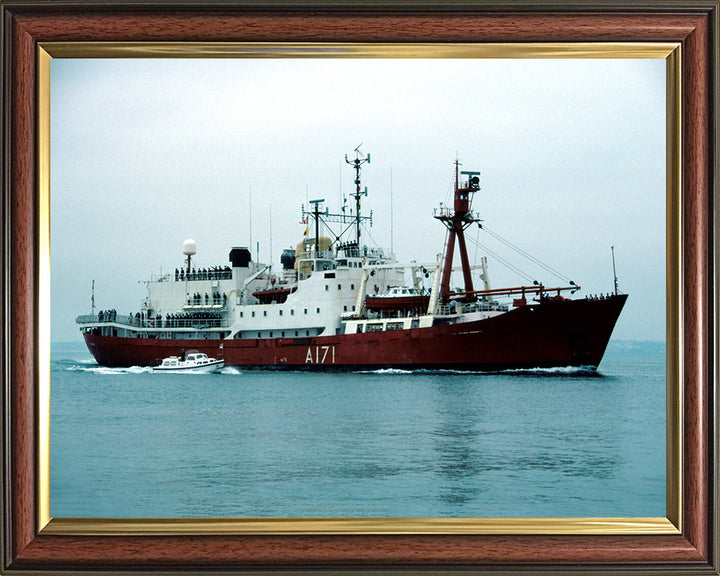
pixel 320 355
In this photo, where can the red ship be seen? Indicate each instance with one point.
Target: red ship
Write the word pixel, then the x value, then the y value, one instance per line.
pixel 340 305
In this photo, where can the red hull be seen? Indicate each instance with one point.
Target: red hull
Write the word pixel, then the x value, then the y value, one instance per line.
pixel 555 333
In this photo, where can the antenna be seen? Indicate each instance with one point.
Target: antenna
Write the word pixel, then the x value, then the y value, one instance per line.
pixel 357 163
pixel 316 213
pixel 615 280
pixel 250 216
pixel 392 251
pixel 271 254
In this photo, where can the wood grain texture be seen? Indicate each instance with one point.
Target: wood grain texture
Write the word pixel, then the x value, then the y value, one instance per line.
pixel 22 277
pixel 358 28
pixel 695 282
pixel 688 551
pixel 222 551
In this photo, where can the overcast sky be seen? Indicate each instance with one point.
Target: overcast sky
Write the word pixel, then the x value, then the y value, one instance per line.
pixel 146 153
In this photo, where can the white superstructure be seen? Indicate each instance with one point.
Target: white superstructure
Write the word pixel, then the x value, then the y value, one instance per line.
pixel 314 295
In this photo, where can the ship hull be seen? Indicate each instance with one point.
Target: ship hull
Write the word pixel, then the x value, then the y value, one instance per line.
pixel 551 334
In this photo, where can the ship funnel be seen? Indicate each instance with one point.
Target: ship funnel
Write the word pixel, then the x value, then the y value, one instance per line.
pixel 240 257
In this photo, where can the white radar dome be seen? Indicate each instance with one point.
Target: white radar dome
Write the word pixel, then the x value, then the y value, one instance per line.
pixel 189 247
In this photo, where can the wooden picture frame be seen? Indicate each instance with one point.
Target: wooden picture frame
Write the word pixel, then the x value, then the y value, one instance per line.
pixel 30 547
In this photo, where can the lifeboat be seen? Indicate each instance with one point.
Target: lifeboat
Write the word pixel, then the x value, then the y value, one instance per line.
pixel 398 299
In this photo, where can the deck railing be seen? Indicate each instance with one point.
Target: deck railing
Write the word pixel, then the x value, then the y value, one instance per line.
pixel 197 323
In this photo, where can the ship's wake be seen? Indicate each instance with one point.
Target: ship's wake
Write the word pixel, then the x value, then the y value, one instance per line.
pixel 388 371
pixel 92 367
pixel 584 371
pixel 105 370
pixel 230 370
pixel 569 371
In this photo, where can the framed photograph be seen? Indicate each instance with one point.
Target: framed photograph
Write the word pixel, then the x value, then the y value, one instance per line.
pixel 149 148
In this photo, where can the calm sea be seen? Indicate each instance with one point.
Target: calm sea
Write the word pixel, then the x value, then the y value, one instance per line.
pixel 128 442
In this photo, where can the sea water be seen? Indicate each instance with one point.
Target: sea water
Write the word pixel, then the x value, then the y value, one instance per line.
pixel 537 443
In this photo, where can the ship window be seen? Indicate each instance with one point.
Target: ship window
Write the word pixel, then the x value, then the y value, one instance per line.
pixel 259 334
pixel 264 312
pixel 317 310
pixel 270 334
pixel 352 286
pixel 339 286
pixel 281 312
pixel 292 312
pixel 305 310
pixel 376 327
pixel 296 332
pixel 353 308
pixel 344 308
pixel 327 287
pixel 359 328
pixel 241 314
pixel 253 313
pixel 282 333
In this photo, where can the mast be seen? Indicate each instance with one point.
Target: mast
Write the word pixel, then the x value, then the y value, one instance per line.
pixel 615 281
pixel 352 221
pixel 456 221
pixel 392 251
pixel 316 215
pixel 349 221
pixel 357 163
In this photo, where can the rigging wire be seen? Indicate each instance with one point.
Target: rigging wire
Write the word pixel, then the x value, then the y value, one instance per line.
pixel 530 257
pixel 503 261
pixel 374 242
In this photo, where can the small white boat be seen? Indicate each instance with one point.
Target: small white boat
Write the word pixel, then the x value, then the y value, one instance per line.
pixel 192 361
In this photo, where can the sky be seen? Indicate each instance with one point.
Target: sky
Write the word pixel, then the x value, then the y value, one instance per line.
pixel 146 153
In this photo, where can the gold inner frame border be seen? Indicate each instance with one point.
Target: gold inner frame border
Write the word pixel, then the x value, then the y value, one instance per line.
pixel 671 524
